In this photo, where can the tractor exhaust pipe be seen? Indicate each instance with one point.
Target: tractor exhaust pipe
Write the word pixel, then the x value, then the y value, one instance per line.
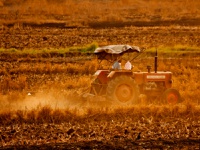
pixel 156 62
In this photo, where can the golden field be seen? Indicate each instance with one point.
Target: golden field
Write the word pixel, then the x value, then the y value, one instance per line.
pixel 100 13
pixel 46 50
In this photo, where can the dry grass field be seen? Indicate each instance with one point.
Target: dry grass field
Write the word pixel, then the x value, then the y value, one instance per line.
pixel 46 50
pixel 99 13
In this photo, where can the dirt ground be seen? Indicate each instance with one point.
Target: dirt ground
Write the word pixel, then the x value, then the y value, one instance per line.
pixel 90 132
pixel 45 37
pixel 96 132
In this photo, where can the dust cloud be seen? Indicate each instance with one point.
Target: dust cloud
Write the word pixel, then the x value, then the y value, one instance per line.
pixel 35 101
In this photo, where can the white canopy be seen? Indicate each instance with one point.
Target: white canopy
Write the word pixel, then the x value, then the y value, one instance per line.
pixel 117 49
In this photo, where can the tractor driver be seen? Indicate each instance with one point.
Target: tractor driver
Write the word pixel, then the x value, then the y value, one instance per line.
pixel 128 65
pixel 117 65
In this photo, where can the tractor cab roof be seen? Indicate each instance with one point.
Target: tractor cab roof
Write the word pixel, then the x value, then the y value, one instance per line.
pixel 113 51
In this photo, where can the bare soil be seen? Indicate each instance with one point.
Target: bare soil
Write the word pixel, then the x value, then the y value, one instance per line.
pixel 45 37
pixel 93 133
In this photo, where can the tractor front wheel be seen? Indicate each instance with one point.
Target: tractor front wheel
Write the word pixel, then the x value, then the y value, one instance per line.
pixel 171 96
pixel 123 90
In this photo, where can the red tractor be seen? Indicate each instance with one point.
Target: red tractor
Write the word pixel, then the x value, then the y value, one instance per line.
pixel 121 86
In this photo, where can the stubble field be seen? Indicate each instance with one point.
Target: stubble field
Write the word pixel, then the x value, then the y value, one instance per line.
pixel 49 63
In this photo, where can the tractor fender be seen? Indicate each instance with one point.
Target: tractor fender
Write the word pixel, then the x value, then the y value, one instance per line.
pixel 112 74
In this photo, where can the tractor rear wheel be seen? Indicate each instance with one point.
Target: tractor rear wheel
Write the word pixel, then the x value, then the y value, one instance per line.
pixel 171 96
pixel 123 90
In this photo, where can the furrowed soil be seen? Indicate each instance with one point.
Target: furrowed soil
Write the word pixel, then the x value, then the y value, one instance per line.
pixel 145 37
pixel 38 91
